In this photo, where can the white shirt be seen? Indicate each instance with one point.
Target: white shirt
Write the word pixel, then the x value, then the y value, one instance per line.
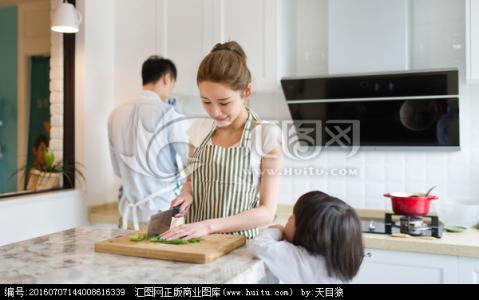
pixel 288 262
pixel 265 137
pixel 146 136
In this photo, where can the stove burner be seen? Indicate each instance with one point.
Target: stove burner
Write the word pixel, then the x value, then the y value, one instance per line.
pixel 412 225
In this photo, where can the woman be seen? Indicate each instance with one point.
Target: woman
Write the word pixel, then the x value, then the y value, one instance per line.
pixel 235 158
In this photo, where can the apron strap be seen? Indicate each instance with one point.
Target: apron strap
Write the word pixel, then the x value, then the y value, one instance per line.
pixel 247 131
pixel 205 141
pixel 245 136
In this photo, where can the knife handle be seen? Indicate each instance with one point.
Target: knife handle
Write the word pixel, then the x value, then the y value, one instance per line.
pixel 177 210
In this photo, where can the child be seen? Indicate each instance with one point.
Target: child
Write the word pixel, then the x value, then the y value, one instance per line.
pixel 321 243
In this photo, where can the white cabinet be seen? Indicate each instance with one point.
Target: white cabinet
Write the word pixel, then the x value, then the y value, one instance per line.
pixel 384 266
pixel 472 40
pixel 135 40
pixel 468 270
pixel 185 31
pixel 377 30
pixel 265 30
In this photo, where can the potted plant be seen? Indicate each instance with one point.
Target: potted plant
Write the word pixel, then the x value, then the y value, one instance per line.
pixel 48 176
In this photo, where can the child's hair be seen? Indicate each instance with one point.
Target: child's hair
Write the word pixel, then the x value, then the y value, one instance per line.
pixel 156 67
pixel 226 63
pixel 329 227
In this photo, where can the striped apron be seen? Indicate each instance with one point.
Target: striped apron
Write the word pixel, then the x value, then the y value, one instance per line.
pixel 222 180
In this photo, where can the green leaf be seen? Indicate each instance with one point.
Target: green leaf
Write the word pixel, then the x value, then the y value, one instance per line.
pixel 49 158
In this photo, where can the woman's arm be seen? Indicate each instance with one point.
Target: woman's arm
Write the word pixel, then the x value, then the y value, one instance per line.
pixel 271 165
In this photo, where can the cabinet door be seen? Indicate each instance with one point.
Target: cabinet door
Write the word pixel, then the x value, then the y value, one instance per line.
pixel 472 34
pixel 468 270
pixel 184 34
pixel 135 41
pixel 253 24
pixel 382 266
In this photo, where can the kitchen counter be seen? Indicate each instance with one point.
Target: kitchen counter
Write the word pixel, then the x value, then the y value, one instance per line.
pixel 465 243
pixel 69 257
pixel 455 244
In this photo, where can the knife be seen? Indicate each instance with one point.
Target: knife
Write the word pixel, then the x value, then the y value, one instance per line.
pixel 161 221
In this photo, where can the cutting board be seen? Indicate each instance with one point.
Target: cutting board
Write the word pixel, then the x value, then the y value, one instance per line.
pixel 209 248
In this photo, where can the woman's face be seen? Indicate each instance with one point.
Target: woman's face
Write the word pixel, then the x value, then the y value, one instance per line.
pixel 290 228
pixel 221 103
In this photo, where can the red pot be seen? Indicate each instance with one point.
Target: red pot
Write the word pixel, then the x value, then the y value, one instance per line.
pixel 410 204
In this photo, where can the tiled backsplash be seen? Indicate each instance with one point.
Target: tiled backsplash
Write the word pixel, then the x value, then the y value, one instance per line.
pixel 379 171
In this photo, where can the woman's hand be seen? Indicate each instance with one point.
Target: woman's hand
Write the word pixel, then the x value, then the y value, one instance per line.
pixel 184 199
pixel 187 231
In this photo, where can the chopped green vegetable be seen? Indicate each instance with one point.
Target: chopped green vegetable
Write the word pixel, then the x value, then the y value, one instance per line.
pixel 158 239
pixel 140 236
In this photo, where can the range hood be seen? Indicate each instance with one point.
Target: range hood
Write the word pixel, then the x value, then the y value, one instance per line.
pixel 412 109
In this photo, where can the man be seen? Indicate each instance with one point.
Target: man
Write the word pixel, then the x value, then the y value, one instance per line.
pixel 148 143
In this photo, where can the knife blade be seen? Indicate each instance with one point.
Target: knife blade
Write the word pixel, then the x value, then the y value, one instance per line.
pixel 161 221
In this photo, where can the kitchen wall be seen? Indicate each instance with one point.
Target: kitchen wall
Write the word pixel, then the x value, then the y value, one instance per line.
pixel 94 98
pixel 111 55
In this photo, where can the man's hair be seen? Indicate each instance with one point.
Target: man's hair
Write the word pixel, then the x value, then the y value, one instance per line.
pixel 329 227
pixel 155 67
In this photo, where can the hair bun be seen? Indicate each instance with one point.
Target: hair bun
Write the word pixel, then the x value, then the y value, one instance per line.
pixel 230 46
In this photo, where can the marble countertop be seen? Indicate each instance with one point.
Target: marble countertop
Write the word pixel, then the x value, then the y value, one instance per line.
pixel 69 257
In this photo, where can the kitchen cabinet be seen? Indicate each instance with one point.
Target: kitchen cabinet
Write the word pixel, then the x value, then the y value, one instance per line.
pixel 185 31
pixel 472 40
pixel 468 270
pixel 377 30
pixel 387 266
pixel 265 29
pixel 384 266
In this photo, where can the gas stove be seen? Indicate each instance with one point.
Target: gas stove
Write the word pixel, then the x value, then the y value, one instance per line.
pixel 412 225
